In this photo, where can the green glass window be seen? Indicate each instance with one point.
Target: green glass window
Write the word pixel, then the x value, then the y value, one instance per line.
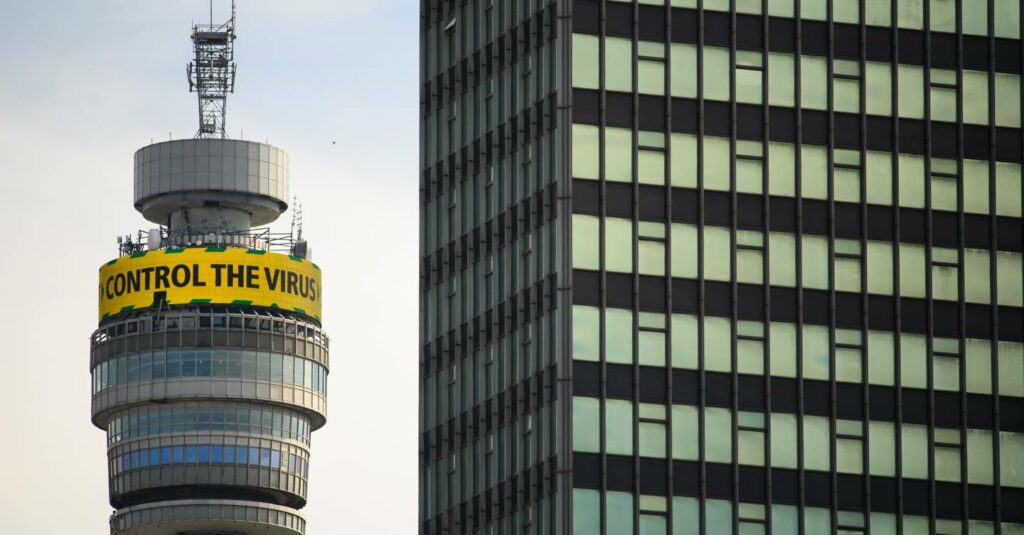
pixel 945 268
pixel 651 167
pixel 718 435
pixel 846 84
pixel 652 439
pixel 785 519
pixel 816 434
pixel 716 73
pixel 912 266
pixel 783 349
pixel 977 281
pixel 911 167
pixel 847 11
pixel 717 253
pixel 911 91
pixel 878 88
pixel 684 70
pixel 618 64
pixel 978 355
pixel 877 13
pixel 749 166
pixel 618 244
pixel 780 80
pixel 618 154
pixel 975 97
pixel 586 511
pixel 651 348
pixel 881 358
pixel 619 512
pixel 781 169
pixel 942 15
pixel 979 457
pixel 879 260
pixel 814 9
pixel 684 250
pixel 846 171
pixel 750 347
pixel 716 163
pixel 915 451
pixel 816 354
pixel 586 252
pixel 1007 18
pixel 718 516
pixel 847 265
pixel 749 256
pixel 783 440
pixel 1011 451
pixel 684 432
pixel 651 257
pixel 586 150
pixel 618 341
pixel 1007 100
pixel 815 261
pixel 975 177
pixel 618 421
pixel 782 259
pixel 814 172
pixel 684 341
pixel 882 448
pixel 814 82
pixel 910 15
pixel 975 19
pixel 586 53
pixel 781 8
pixel 684 160
pixel 878 169
pixel 748 77
pixel 1011 370
pixel 1008 189
pixel 717 344
pixel 586 424
pixel 651 68
pixel 685 516
pixel 1010 279
pixel 913 361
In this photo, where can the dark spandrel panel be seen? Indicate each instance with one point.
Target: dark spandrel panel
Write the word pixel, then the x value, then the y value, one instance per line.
pixel 586 106
pixel 716 28
pixel 947 409
pixel 915 497
pixel 618 108
pixel 586 378
pixel 1011 414
pixel 1011 324
pixel 979 321
pixel 981 501
pixel 782 124
pixel 751 392
pixel 944 136
pixel 817 489
pixel 619 381
pixel 911 47
pixel 913 225
pixel 781 35
pixel 618 19
pixel 880 222
pixel 975 52
pixel 915 406
pixel 816 307
pixel 749 32
pixel 848 220
pixel 911 136
pixel 685 478
pixel 815 127
pixel 619 290
pixel 719 481
pixel 652 203
pixel 620 472
pixel 979 411
pixel 717 389
pixel 586 16
pixel 913 316
pixel 685 387
pixel 976 142
pixel 652 113
pixel 782 214
pixel 847 131
pixel 717 298
pixel 851 492
pixel 752 484
pixel 618 199
pixel 879 133
pixel 684 115
pixel 586 288
pixel 846 41
pixel 946 319
pixel 586 471
pixel 1013 504
pixel 749 211
pixel 586 197
pixel 817 400
pixel 815 212
pixel 717 208
pixel 977 231
pixel 685 295
pixel 849 401
pixel 879 44
pixel 653 476
pixel 1008 147
pixel 785 486
pixel 881 403
pixel 749 122
pixel 945 229
pixel 883 494
pixel 684 205
pixel 943 50
pixel 652 294
pixel 717 118
pixel 783 304
pixel 1008 57
pixel 784 395
pixel 652 23
pixel 814 37
pixel 684 26
pixel 750 302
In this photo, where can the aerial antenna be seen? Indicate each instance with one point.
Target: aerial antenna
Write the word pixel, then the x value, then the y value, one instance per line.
pixel 296 219
pixel 211 74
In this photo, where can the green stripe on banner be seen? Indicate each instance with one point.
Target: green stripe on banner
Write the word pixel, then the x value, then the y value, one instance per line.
pixel 315 266
pixel 242 302
pixel 295 258
pixel 173 251
pixel 255 251
pixel 216 249
pixel 106 315
pixel 299 310
pixel 273 305
pixel 139 254
pixel 199 301
pixel 126 308
pixel 112 262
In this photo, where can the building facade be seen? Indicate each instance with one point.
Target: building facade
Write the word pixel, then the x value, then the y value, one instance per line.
pixel 721 266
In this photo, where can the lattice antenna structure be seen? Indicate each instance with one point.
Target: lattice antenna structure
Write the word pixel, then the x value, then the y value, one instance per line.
pixel 296 219
pixel 211 74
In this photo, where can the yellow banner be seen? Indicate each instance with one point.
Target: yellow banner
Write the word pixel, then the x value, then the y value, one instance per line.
pixel 214 275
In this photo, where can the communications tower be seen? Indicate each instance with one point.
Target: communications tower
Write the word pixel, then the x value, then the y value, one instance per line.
pixel 209 365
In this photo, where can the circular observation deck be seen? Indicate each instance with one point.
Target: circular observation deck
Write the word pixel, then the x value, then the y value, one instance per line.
pixel 207 516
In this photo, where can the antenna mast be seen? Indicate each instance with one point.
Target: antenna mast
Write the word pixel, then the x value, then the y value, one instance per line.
pixel 211 74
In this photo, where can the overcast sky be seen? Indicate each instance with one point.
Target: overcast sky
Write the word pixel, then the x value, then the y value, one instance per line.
pixel 85 83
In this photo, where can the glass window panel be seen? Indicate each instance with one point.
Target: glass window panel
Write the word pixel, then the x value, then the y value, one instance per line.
pixel 947 464
pixel 586 151
pixel 718 516
pixel 586 55
pixel 847 274
pixel 717 253
pixel 911 169
pixel 783 440
pixel 684 341
pixel 718 435
pixel 814 82
pixel 684 432
pixel 1008 189
pixel 684 70
pixel 651 77
pixel 618 64
pixel 1011 451
pixel 1007 18
pixel 752 7
pixel 785 519
pixel 879 177
pixel 879 260
pixel 881 358
pixel 849 456
pixel 976 276
pixel 816 356
pixel 652 439
pixel 913 361
pixel 882 448
pixel 749 266
pixel 618 335
pixel 782 259
pixel 943 104
pixel 1010 279
pixel 748 86
pixel 783 349
pixel 780 80
pixel 684 160
pixel 912 270
pixel 946 373
pixel 618 244
pixel 684 250
pixel 586 511
pixel 877 13
pixel 586 252
pixel 751 448
pixel 848 365
pixel 944 283
pixel 717 344
pixel 651 167
pixel 651 258
pixel 816 434
pixel 878 88
pixel 979 456
pixel 910 14
pixel 1008 100
pixel 781 8
pixel 749 175
pixel 619 512
pixel 618 421
pixel 978 354
pixel 685 516
pixel 652 348
pixel 716 163
pixel 716 73
pixel 814 9
pixel 915 451
pixel 846 11
pixel 846 95
pixel 781 169
pixel 975 19
pixel 975 97
pixel 815 262
pixel 653 525
pixel 1011 370
pixel 814 172
pixel 942 15
pixel 750 357
pixel 911 91
pixel 618 154
pixel 586 424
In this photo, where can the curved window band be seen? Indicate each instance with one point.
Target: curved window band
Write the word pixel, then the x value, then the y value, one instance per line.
pixel 210 455
pixel 227 363
pixel 231 418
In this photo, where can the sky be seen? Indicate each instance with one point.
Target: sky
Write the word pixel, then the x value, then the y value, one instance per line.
pixel 85 84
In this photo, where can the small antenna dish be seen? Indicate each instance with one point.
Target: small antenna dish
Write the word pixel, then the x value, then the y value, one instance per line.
pixel 211 74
